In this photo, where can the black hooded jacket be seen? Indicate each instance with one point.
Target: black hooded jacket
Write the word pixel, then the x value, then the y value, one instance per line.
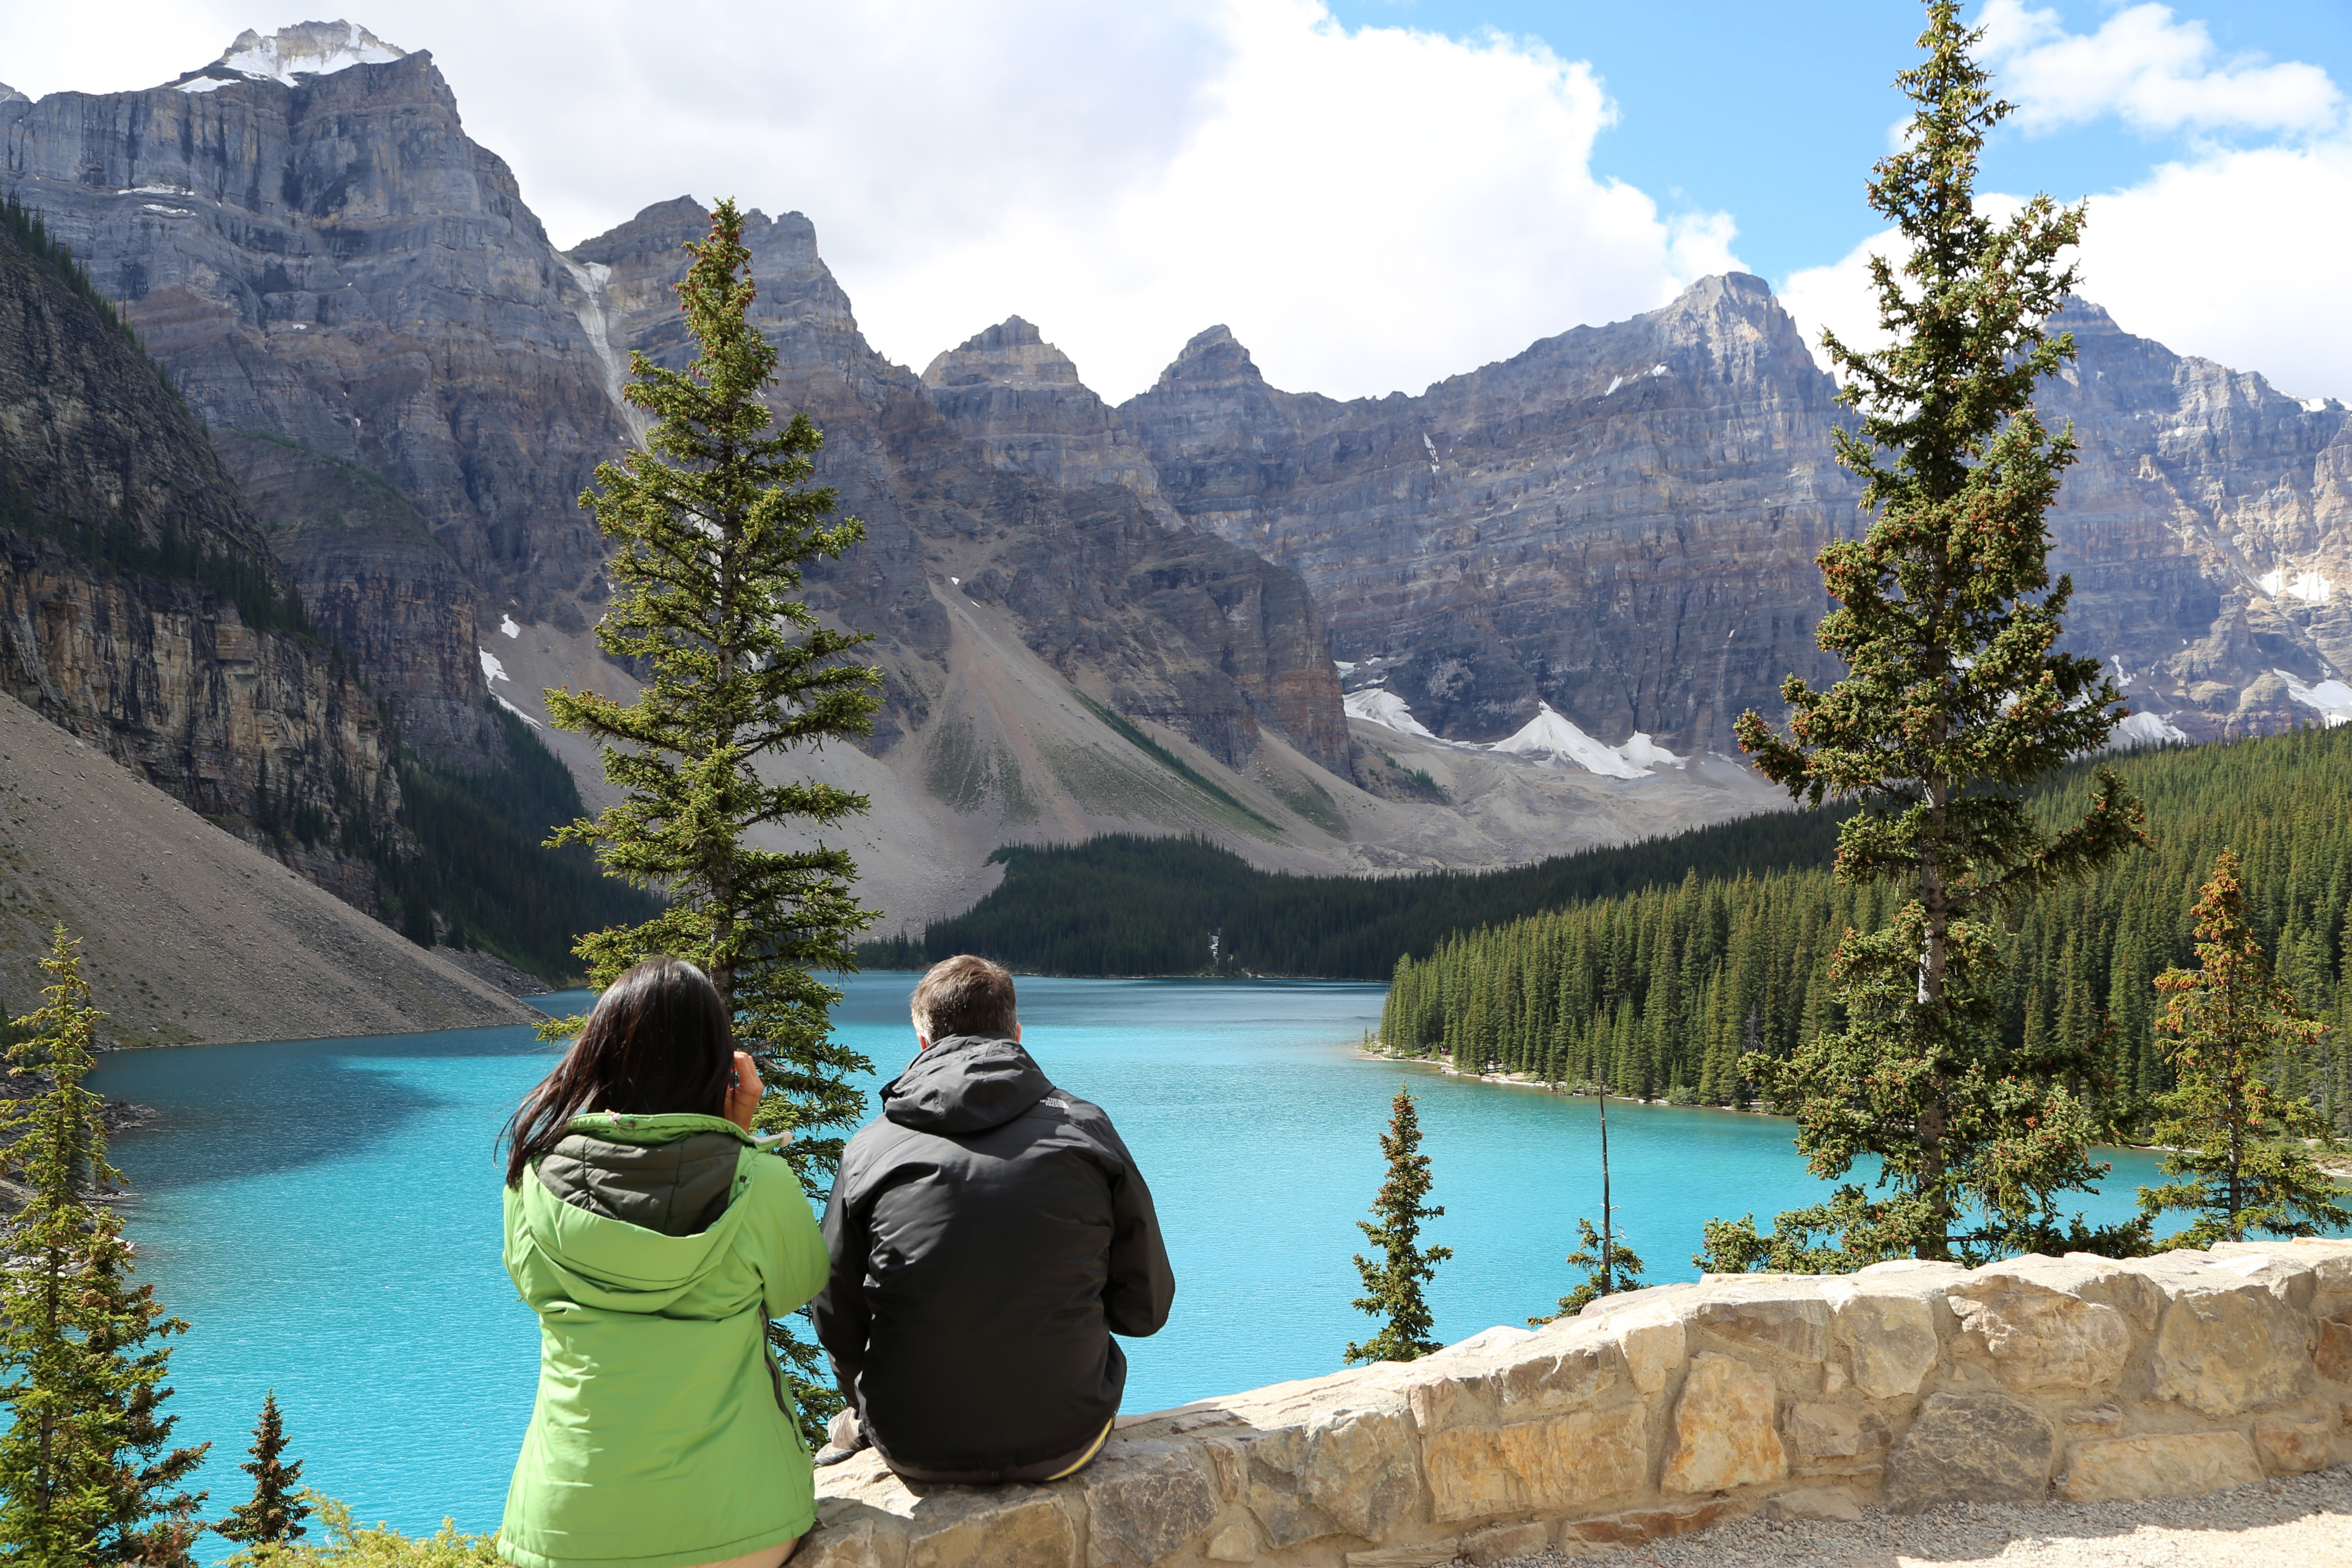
pixel 989 1233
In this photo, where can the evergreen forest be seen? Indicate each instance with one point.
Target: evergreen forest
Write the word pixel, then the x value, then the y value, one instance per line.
pixel 1124 904
pixel 1662 988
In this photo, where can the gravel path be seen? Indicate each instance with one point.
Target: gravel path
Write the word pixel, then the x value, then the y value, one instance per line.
pixel 2305 1522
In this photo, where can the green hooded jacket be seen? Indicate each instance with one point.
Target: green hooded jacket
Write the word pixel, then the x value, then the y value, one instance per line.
pixel 655 1250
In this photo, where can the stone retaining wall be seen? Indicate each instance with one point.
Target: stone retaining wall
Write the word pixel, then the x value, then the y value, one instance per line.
pixel 1667 1410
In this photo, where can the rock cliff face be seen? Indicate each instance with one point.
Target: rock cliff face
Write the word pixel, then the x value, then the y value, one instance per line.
pixel 328 259
pixel 128 557
pixel 1621 521
pixel 1176 628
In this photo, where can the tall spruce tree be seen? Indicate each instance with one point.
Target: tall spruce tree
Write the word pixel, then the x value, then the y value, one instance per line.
pixel 1955 701
pixel 88 1474
pixel 712 525
pixel 276 1511
pixel 1393 1293
pixel 2238 1137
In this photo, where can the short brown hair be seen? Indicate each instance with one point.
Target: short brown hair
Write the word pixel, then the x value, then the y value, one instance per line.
pixel 964 996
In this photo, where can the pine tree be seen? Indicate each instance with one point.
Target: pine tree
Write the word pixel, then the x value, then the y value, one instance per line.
pixel 1392 1295
pixel 713 524
pixel 86 1473
pixel 1618 1270
pixel 1955 701
pixel 2237 1140
pixel 277 1508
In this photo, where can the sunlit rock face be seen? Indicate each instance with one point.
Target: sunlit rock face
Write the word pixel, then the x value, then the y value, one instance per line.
pixel 306 235
pixel 113 640
pixel 1173 625
pixel 1622 521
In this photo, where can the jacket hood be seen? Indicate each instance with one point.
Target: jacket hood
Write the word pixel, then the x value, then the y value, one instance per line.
pixel 965 1083
pixel 633 1210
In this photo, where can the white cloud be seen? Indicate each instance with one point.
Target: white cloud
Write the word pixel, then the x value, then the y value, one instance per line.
pixel 2239 254
pixel 2150 69
pixel 1367 210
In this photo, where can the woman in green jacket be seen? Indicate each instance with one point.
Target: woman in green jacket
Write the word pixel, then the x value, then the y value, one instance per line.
pixel 656 1237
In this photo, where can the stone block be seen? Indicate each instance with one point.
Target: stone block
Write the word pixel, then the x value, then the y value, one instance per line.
pixel 2292 1448
pixel 854 1535
pixel 1235 1541
pixel 2187 1464
pixel 1501 1542
pixel 2226 1349
pixel 1545 1377
pixel 1009 1527
pixel 1632 1528
pixel 1552 1465
pixel 1890 1342
pixel 1145 1501
pixel 1797 1329
pixel 1343 1471
pixel 1654 1345
pixel 1814 1502
pixel 2038 1336
pixel 2294 1279
pixel 1970 1447
pixel 2108 1414
pixel 2335 1357
pixel 1724 1432
pixel 1436 1554
pixel 1835 1431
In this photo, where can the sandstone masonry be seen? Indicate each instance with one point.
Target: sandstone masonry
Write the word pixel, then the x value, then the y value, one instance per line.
pixel 1667 1410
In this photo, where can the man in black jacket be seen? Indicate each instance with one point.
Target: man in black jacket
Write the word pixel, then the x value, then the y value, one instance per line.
pixel 989 1233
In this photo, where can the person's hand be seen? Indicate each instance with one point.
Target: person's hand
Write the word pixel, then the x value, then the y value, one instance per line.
pixel 743 1095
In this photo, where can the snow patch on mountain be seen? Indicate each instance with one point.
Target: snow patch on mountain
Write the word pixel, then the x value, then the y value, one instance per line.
pixel 2332 697
pixel 2145 730
pixel 1386 708
pixel 313 47
pixel 507 625
pixel 492 668
pixel 2309 587
pixel 1548 733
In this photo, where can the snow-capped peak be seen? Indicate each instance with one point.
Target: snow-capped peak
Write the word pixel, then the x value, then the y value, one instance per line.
pixel 1549 732
pixel 306 49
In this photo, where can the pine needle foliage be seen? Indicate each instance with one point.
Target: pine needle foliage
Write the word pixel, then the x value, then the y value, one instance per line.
pixel 2240 1139
pixel 1624 1267
pixel 279 1506
pixel 712 525
pixel 1393 1284
pixel 1954 701
pixel 88 1474
pixel 351 1544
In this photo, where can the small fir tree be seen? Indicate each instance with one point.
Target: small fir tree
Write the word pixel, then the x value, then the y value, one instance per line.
pixel 86 1471
pixel 279 1506
pixel 1607 1270
pixel 2238 1138
pixel 1955 701
pixel 712 525
pixel 1392 1286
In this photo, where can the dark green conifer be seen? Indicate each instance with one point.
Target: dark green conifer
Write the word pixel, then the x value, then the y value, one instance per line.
pixel 1393 1284
pixel 86 1471
pixel 1956 700
pixel 276 1510
pixel 2237 1140
pixel 1606 1271
pixel 712 525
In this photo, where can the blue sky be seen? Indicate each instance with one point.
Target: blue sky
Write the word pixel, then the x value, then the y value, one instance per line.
pixel 1373 195
pixel 1775 114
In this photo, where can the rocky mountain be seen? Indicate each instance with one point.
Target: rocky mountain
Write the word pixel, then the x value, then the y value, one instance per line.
pixel 1620 524
pixel 1513 613
pixel 306 235
pixel 141 606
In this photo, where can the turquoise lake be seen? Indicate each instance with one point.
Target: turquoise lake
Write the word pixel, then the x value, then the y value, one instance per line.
pixel 325 1215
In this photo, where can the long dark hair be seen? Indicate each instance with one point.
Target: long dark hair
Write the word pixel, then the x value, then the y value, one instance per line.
pixel 659 1041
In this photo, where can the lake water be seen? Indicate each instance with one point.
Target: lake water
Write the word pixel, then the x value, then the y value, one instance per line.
pixel 325 1215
